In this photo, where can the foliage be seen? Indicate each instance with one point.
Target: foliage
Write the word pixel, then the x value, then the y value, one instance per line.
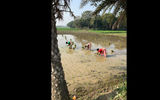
pixel 118 6
pixel 100 22
pixel 71 24
pixel 60 6
pixel 82 31
pixel 121 92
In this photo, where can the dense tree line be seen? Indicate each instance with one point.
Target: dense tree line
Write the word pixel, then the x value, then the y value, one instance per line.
pixel 102 22
pixel 116 6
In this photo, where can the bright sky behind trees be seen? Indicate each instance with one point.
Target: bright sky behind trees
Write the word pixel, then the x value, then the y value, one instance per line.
pixel 75 7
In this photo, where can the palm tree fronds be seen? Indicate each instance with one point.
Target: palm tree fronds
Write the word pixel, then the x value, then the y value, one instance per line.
pixel 61 6
pixel 104 4
pixel 118 5
pixel 121 17
pixel 83 3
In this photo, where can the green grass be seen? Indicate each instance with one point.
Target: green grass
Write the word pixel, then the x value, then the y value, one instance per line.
pixel 122 92
pixel 106 32
pixel 110 32
pixel 66 29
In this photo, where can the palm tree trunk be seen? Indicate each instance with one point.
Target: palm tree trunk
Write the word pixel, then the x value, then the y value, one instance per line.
pixel 59 87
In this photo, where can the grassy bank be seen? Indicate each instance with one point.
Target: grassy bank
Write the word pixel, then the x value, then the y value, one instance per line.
pixel 106 32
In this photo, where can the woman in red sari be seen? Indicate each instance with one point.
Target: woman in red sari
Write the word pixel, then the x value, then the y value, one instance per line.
pixel 102 51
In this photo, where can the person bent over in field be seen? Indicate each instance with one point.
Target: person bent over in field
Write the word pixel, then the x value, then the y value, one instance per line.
pixel 70 44
pixel 87 46
pixel 102 52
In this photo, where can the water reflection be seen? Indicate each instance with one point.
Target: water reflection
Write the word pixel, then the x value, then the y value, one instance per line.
pixel 102 40
pixel 111 43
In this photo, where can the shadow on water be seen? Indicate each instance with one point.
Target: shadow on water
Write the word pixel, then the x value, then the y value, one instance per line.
pixel 107 56
pixel 110 56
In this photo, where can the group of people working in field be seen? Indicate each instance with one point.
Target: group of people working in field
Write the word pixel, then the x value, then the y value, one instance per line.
pixel 100 51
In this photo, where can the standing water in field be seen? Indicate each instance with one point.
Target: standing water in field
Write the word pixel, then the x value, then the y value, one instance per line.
pixel 84 66
pixel 117 44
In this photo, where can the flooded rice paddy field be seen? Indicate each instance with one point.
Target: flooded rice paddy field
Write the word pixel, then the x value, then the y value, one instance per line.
pixel 83 66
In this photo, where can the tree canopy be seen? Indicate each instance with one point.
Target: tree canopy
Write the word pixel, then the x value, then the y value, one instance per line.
pixel 105 21
pixel 118 6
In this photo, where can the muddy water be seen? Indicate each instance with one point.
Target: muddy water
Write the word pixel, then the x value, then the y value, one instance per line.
pixel 84 66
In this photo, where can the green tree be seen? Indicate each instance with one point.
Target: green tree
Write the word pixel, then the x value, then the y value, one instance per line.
pixel 96 22
pixel 71 24
pixel 108 20
pixel 104 5
pixel 123 24
pixel 86 15
pixel 105 21
pixel 85 19
pixel 77 23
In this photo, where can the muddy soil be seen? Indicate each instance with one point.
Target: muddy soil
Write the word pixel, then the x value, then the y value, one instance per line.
pixel 86 71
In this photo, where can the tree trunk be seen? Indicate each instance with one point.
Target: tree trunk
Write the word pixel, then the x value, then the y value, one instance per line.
pixel 59 87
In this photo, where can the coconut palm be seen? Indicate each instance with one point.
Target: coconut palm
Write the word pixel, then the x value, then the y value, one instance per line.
pixel 59 87
pixel 118 6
